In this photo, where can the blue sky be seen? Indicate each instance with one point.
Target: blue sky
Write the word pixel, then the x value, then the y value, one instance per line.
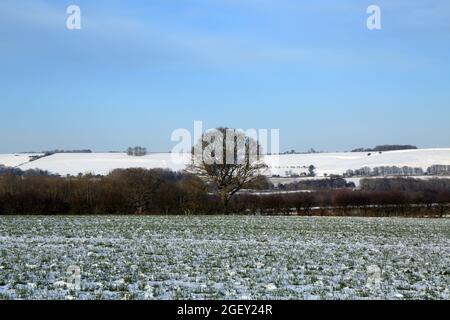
pixel 138 70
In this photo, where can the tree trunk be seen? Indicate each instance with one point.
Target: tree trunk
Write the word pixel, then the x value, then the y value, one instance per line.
pixel 225 200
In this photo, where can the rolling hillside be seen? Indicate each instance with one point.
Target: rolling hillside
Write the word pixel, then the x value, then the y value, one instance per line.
pixel 325 163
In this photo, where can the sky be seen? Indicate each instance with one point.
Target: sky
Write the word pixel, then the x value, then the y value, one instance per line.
pixel 138 70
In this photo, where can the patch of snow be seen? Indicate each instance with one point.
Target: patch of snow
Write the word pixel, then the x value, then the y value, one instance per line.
pixel 221 257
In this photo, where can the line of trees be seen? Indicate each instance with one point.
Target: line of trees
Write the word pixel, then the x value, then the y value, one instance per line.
pixel 434 170
pixel 157 191
pixel 346 202
pixel 319 184
pixel 384 171
pixel 130 191
pixel 387 147
pixel 434 185
pixel 18 172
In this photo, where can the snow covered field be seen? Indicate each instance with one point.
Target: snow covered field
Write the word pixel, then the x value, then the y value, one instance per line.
pixel 224 257
pixel 100 163
pixel 13 160
pixel 339 163
pixel 330 163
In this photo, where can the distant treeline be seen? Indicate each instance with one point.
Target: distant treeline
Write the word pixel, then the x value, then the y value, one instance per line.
pixel 377 197
pixel 406 185
pixel 434 170
pixel 157 191
pixel 385 171
pixel 47 153
pixel 317 184
pixel 386 147
pixel 27 173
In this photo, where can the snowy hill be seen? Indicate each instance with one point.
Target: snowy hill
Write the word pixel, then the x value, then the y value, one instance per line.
pixel 14 160
pixel 339 163
pixel 325 163
pixel 100 163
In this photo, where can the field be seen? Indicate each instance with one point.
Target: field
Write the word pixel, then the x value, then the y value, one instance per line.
pixel 15 160
pixel 223 257
pixel 326 163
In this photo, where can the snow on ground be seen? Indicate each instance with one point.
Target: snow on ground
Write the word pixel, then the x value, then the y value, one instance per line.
pixel 339 163
pixel 13 160
pixel 100 163
pixel 329 163
pixel 155 257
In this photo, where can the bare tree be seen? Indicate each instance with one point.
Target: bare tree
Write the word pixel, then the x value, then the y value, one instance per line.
pixel 228 159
